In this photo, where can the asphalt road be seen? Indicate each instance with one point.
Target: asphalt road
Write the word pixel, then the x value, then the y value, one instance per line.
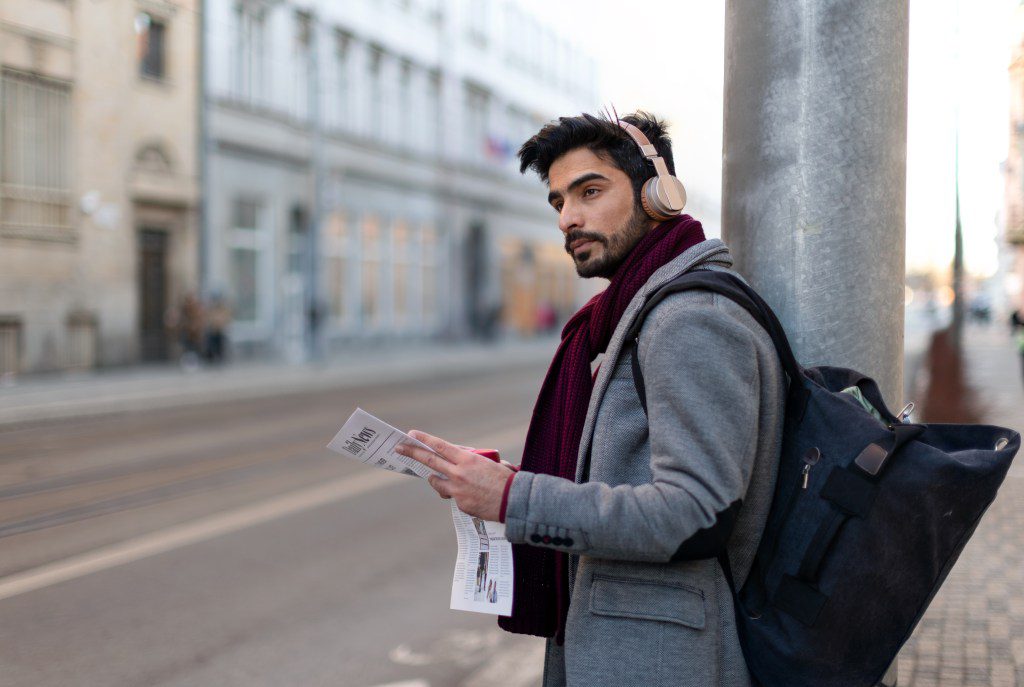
pixel 223 545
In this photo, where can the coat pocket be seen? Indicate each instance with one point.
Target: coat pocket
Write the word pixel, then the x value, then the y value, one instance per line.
pixel 645 600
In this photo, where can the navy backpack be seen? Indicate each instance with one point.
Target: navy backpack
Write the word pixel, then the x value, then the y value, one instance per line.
pixel 868 517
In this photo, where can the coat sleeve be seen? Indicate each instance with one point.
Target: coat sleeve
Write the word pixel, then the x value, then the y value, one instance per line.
pixel 702 377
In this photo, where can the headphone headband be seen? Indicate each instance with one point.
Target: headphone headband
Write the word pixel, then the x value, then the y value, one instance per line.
pixel 663 196
pixel 641 139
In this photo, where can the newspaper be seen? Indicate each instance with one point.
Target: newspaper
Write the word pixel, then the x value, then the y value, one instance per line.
pixel 483 568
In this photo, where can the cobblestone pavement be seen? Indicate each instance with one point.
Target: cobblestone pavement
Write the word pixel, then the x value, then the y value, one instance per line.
pixel 973 632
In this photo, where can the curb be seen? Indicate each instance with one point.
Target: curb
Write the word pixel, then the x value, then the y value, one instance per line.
pixel 96 396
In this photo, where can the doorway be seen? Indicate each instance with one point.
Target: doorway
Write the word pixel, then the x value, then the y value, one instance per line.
pixel 152 294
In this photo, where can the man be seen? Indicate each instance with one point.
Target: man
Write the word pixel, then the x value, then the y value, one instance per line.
pixel 608 496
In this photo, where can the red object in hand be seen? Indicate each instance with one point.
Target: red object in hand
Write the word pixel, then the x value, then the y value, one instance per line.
pixel 488 453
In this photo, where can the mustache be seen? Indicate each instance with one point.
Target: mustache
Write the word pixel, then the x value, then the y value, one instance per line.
pixel 577 235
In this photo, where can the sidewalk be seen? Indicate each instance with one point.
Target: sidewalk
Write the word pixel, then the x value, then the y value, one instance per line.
pixel 973 633
pixel 156 387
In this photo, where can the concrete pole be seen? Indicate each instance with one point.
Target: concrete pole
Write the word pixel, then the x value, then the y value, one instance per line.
pixel 814 173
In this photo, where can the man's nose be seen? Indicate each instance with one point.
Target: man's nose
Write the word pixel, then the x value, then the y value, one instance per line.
pixel 569 218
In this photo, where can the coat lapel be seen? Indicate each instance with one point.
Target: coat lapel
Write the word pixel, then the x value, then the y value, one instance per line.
pixel 710 251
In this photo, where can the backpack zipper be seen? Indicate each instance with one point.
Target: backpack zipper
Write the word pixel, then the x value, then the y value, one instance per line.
pixel 811 458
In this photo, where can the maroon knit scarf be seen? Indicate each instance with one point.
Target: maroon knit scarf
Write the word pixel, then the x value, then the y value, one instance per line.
pixel 541 599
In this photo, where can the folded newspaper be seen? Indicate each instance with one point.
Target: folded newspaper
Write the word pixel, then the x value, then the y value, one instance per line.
pixel 483 568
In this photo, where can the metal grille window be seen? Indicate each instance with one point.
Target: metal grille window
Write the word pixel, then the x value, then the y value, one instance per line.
pixel 151 34
pixel 35 154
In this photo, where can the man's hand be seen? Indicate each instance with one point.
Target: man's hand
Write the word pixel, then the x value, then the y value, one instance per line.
pixel 476 483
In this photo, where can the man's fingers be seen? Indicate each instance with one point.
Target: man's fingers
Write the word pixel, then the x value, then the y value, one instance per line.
pixel 428 458
pixel 450 452
pixel 441 486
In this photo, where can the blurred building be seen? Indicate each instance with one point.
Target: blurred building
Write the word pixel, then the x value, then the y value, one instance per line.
pixel 1012 243
pixel 361 170
pixel 98 178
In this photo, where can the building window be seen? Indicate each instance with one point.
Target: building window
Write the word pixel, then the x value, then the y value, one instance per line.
pixel 247 259
pixel 429 274
pixel 432 116
pixel 336 268
pixel 475 131
pixel 371 311
pixel 35 153
pixel 150 33
pixel 478 19
pixel 401 270
pixel 376 101
pixel 342 79
pixel 406 134
pixel 250 53
pixel 303 63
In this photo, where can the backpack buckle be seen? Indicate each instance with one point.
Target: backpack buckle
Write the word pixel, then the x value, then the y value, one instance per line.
pixel 871 459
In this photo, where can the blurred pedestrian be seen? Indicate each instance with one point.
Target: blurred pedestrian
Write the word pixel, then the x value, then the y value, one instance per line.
pixel 1017 330
pixel 218 319
pixel 547 318
pixel 613 511
pixel 190 331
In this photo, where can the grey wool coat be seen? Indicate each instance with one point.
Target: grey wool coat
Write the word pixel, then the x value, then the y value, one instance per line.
pixel 715 393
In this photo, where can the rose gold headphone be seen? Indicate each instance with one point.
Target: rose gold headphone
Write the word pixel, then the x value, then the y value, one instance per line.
pixel 662 196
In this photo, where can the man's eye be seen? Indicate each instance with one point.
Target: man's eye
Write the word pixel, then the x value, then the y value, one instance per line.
pixel 588 191
pixel 557 207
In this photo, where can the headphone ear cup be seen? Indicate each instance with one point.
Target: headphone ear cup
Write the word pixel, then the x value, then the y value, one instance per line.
pixel 654 205
pixel 645 201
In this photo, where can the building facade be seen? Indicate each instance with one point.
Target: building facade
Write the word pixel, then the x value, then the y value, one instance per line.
pixel 98 179
pixel 361 176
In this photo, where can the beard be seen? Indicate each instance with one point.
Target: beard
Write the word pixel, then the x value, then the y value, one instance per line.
pixel 617 246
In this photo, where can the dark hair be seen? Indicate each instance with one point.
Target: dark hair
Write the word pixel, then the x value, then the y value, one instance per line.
pixel 604 138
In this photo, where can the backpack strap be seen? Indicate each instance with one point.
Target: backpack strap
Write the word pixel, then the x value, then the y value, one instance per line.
pixel 742 294
pixel 738 291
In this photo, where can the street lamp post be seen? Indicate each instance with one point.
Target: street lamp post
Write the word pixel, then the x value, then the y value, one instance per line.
pixel 814 174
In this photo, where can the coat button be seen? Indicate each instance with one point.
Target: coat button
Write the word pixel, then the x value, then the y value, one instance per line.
pixel 567 541
pixel 535 538
pixel 557 541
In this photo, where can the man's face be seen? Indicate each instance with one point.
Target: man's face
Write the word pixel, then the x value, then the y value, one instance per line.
pixel 596 211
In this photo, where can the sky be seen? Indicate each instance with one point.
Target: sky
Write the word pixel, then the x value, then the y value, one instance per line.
pixel 669 59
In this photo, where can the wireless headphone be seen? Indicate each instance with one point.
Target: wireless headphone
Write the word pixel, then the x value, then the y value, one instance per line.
pixel 662 196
